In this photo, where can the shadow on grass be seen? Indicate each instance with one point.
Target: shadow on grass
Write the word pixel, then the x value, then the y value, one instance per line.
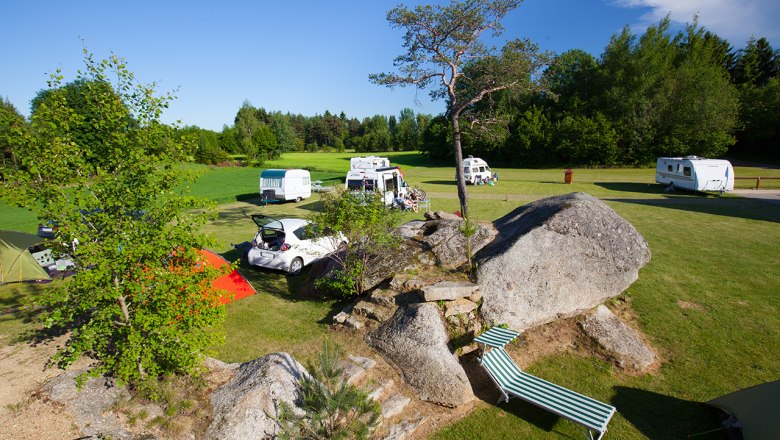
pixel 645 188
pixel 22 308
pixel 660 416
pixel 737 207
pixel 315 206
pixel 440 182
pixel 330 181
pixel 247 197
pixel 415 159
pixel 232 216
pixel 296 289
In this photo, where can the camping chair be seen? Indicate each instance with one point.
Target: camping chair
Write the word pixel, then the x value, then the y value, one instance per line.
pixel 514 382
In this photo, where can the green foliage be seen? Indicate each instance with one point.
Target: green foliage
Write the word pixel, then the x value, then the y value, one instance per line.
pixel 587 141
pixel 333 409
pixel 756 74
pixel 756 63
pixel 366 224
pixel 406 133
pixel 760 136
pixel 437 139
pixel 206 144
pixel 137 302
pixel 343 282
pixel 13 134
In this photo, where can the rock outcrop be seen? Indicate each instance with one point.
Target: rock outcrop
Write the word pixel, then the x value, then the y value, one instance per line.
pixel 91 404
pixel 438 241
pixel 555 258
pixel 622 341
pixel 444 237
pixel 415 340
pixel 246 406
pixel 448 290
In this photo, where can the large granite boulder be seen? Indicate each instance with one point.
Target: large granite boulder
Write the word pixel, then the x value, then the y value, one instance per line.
pixel 555 258
pixel 415 341
pixel 245 407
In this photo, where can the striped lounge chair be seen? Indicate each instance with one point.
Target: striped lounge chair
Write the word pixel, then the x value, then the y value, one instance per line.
pixel 514 382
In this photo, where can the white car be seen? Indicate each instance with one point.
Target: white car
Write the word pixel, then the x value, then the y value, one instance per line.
pixel 288 244
pixel 317 186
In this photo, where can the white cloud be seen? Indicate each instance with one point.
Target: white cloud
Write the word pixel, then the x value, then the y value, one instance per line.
pixel 734 20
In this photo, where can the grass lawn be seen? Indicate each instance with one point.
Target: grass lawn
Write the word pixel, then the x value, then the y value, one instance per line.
pixel 707 301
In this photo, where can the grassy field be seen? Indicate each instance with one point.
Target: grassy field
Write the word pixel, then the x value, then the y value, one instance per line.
pixel 707 301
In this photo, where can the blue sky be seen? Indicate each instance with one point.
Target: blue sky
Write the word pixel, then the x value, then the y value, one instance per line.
pixel 302 56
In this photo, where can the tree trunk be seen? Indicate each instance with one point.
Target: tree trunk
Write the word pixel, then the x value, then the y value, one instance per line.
pixel 459 175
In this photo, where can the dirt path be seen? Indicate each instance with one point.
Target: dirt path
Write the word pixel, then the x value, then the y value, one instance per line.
pixel 765 195
pixel 23 415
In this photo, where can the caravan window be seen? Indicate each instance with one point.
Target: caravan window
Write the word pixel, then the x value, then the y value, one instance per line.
pixel 272 182
pixel 306 180
pixel 669 168
pixel 481 169
pixel 687 171
pixel 355 184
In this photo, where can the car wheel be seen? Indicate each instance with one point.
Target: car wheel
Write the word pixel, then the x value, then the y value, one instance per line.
pixel 296 266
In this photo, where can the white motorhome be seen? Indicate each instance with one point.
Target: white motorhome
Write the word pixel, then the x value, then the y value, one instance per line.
pixel 476 170
pixel 368 163
pixel 387 181
pixel 695 173
pixel 283 185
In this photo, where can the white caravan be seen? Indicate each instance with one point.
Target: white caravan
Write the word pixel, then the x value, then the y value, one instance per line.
pixel 695 173
pixel 283 185
pixel 476 169
pixel 368 163
pixel 387 181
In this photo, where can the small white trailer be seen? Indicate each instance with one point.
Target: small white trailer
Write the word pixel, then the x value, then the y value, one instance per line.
pixel 387 181
pixel 283 185
pixel 695 173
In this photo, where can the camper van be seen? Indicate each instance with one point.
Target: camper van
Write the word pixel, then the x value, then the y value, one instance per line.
pixel 388 181
pixel 476 170
pixel 695 173
pixel 283 185
pixel 368 163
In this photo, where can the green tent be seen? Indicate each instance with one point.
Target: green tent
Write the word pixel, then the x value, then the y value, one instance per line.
pixel 16 262
pixel 757 409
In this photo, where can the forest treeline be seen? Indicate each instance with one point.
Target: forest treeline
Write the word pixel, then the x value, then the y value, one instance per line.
pixel 260 135
pixel 657 94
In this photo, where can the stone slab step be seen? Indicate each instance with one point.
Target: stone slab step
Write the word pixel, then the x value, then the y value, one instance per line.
pixel 393 405
pixel 404 429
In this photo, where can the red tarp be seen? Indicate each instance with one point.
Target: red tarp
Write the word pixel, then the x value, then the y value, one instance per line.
pixel 233 282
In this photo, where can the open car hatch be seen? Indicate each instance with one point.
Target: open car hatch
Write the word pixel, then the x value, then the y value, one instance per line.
pixel 263 221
